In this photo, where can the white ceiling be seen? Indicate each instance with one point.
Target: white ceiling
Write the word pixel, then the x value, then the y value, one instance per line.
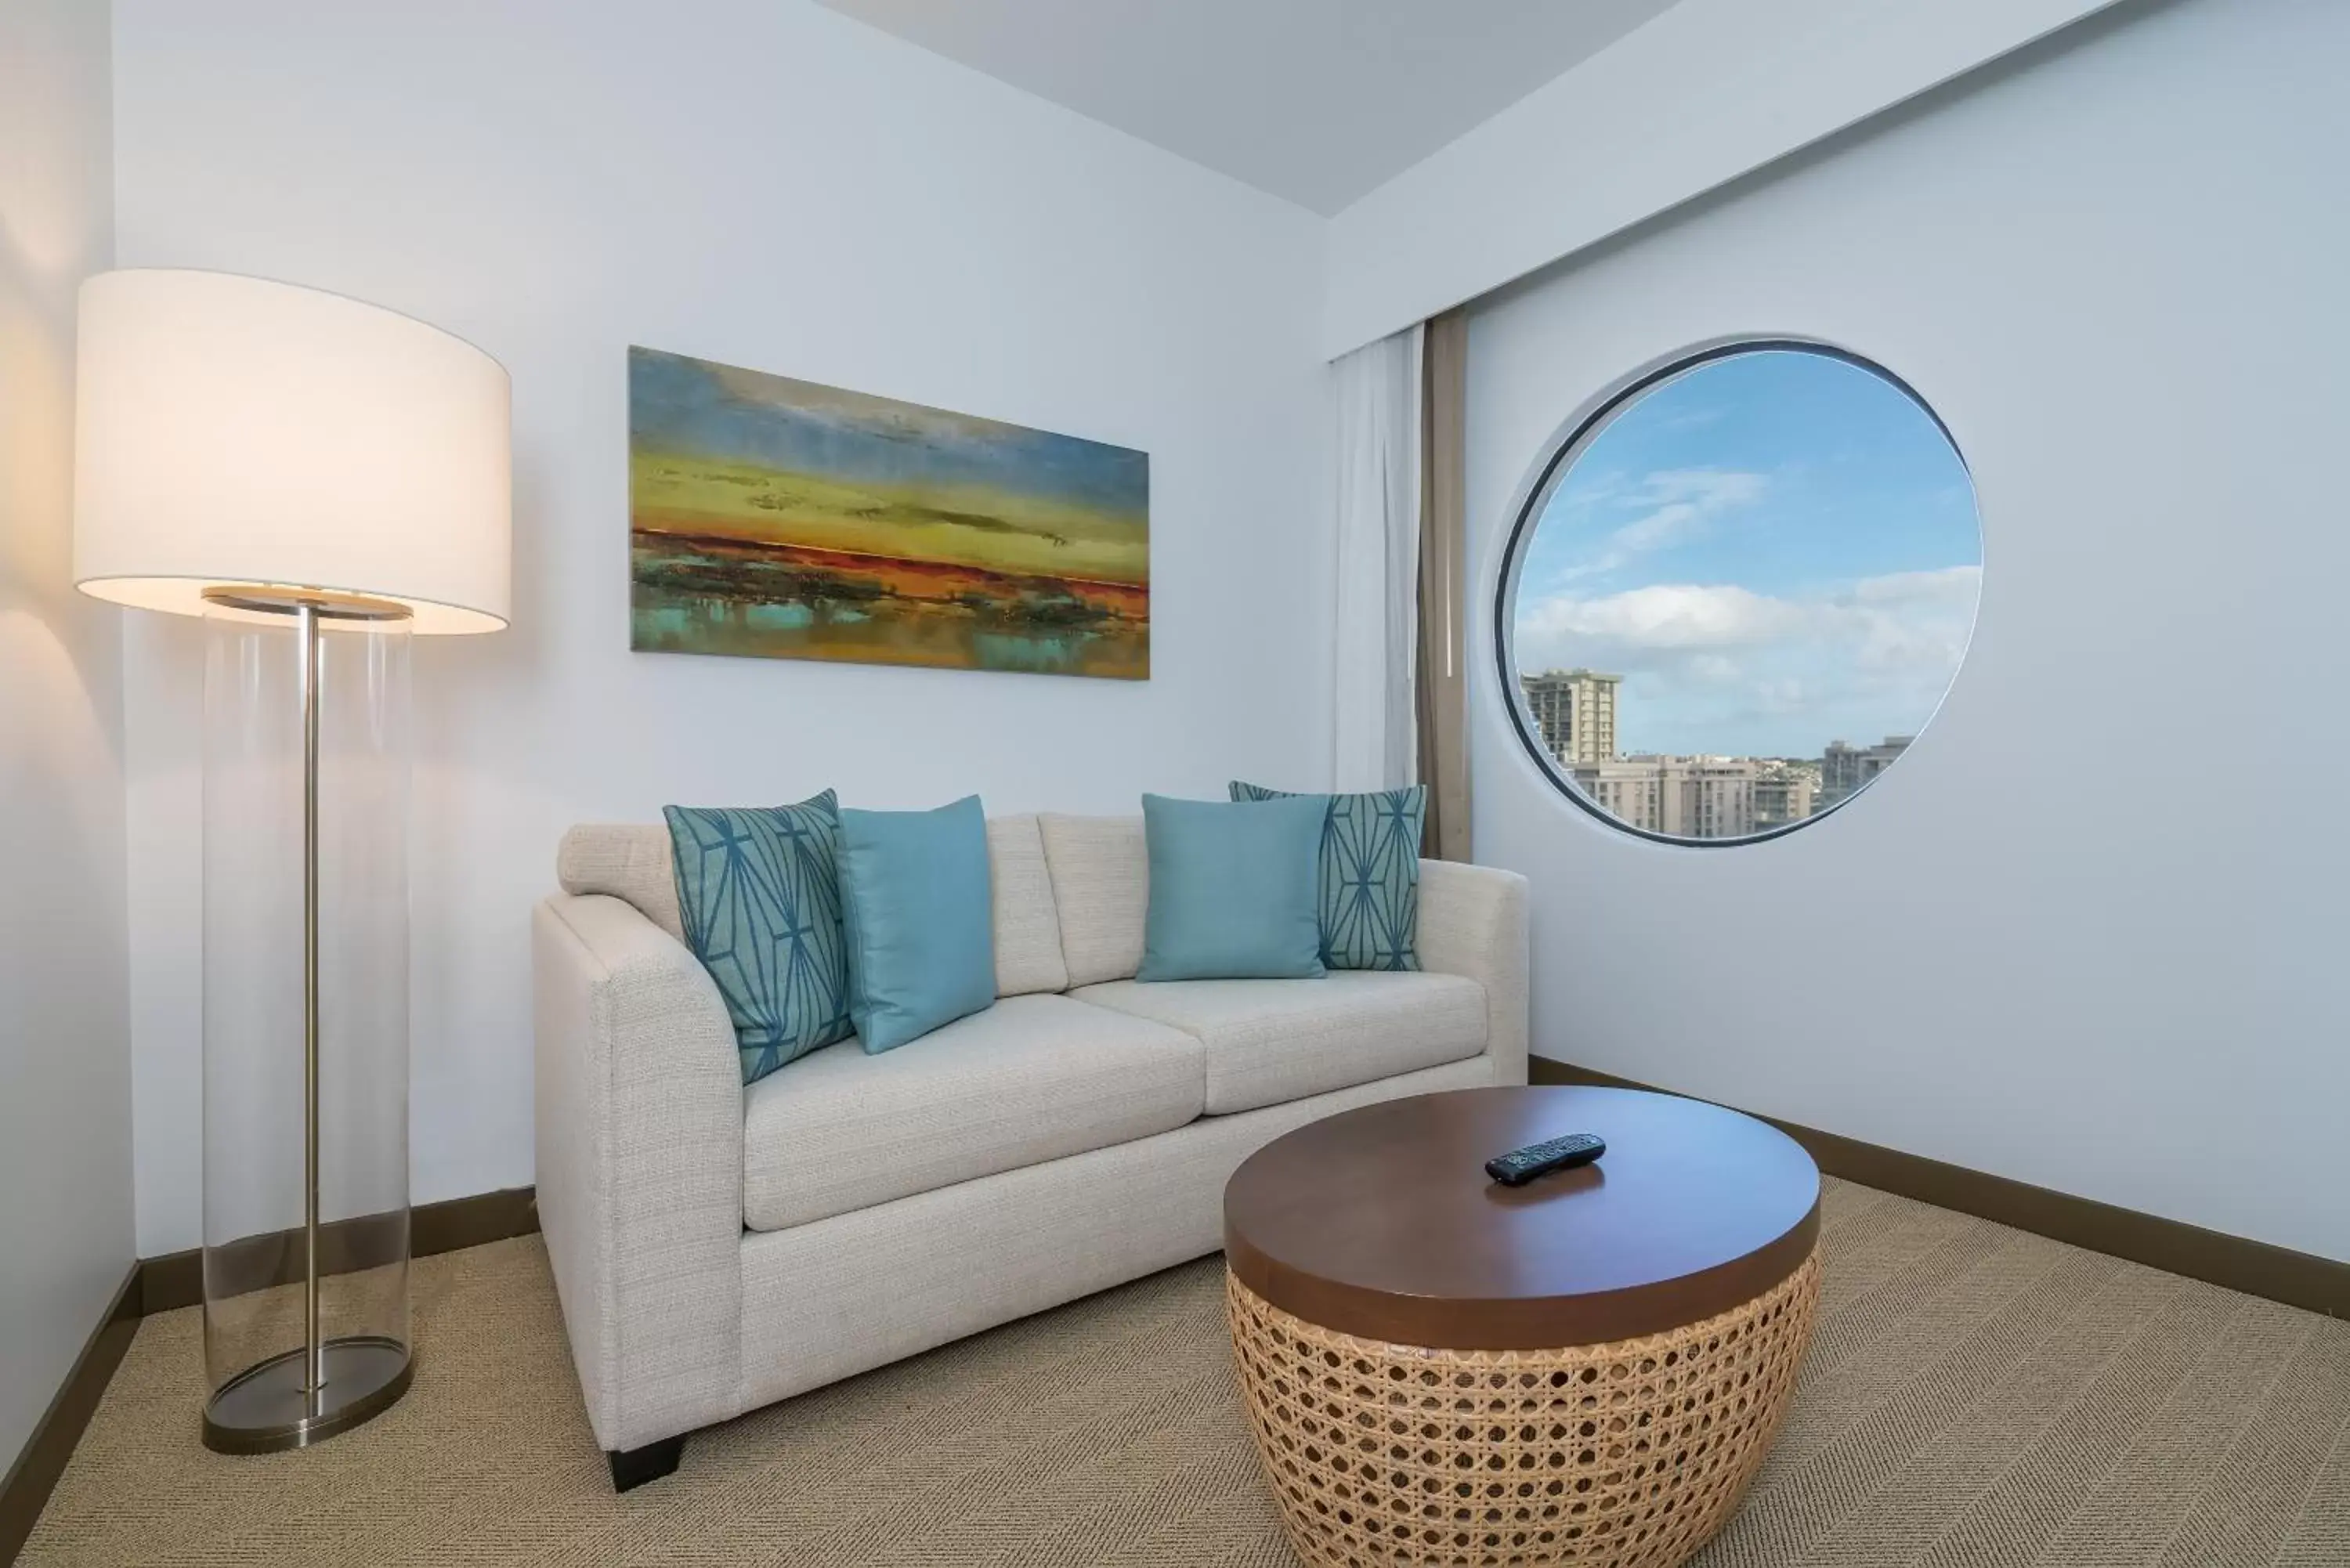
pixel 1316 100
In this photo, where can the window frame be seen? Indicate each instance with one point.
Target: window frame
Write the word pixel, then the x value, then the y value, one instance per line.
pixel 1553 468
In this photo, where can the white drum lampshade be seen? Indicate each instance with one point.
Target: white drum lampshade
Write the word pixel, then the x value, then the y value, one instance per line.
pixel 234 431
pixel 317 478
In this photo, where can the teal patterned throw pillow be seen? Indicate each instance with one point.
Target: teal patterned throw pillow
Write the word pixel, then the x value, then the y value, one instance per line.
pixel 1369 875
pixel 759 890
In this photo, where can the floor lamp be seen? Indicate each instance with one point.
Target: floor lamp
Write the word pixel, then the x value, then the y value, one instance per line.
pixel 317 479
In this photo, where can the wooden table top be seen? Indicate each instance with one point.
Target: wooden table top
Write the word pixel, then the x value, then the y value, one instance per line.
pixel 1381 1222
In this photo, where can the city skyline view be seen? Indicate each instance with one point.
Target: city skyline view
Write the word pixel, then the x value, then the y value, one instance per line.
pixel 1703 795
pixel 1774 550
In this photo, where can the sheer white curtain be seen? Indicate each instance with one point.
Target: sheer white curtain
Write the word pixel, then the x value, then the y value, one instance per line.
pixel 1373 734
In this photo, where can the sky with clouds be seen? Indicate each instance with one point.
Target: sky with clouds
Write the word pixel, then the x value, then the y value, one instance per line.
pixel 1775 550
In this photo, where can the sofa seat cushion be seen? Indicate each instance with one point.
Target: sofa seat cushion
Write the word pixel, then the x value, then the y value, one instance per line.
pixel 1272 1041
pixel 1030 1079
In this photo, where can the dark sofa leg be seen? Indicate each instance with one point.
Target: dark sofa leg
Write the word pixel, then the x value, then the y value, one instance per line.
pixel 636 1465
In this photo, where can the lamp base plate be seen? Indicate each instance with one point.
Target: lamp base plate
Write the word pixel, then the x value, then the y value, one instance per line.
pixel 266 1408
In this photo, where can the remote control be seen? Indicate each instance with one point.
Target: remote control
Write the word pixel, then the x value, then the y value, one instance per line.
pixel 1521 1166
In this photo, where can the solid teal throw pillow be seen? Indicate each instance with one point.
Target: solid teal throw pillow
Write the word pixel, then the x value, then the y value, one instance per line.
pixel 760 896
pixel 917 904
pixel 1369 875
pixel 1232 889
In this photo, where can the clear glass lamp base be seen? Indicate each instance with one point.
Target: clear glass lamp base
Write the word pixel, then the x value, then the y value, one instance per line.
pixel 306 990
pixel 267 1407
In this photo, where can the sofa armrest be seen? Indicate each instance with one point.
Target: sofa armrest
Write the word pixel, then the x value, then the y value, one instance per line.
pixel 640 1130
pixel 1472 921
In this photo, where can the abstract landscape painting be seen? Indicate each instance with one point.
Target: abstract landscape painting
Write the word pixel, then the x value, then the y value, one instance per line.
pixel 781 519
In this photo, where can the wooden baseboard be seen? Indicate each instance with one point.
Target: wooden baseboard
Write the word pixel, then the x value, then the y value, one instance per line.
pixel 2256 1268
pixel 177 1280
pixel 34 1474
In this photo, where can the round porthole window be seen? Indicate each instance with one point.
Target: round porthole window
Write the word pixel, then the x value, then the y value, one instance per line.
pixel 1737 592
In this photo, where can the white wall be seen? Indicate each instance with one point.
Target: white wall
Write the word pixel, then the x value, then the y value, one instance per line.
pixel 766 183
pixel 1707 91
pixel 65 1056
pixel 2096 909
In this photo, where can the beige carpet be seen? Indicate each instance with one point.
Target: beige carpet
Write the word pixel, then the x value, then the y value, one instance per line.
pixel 1975 1396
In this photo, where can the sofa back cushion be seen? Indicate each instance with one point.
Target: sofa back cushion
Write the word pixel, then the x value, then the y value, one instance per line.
pixel 1028 920
pixel 1101 883
pixel 625 860
pixel 631 861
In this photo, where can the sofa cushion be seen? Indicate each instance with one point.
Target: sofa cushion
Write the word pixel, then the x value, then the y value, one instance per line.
pixel 1101 883
pixel 1231 888
pixel 1271 1040
pixel 918 918
pixel 1027 921
pixel 1031 1078
pixel 760 889
pixel 627 860
pixel 1370 874
pixel 631 861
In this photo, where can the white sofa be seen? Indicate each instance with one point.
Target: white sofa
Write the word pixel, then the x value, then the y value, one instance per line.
pixel 718 1246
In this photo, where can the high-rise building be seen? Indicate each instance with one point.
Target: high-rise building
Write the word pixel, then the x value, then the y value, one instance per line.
pixel 1575 710
pixel 1702 798
pixel 1785 792
pixel 1844 768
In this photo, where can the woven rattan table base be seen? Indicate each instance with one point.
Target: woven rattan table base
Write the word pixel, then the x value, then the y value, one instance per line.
pixel 1628 1455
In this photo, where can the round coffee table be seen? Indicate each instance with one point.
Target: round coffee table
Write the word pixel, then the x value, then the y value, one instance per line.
pixel 1587 1369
